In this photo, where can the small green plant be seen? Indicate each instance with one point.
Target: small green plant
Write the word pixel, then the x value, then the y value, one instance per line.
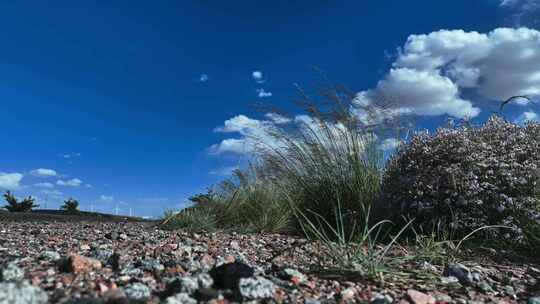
pixel 359 248
pixel 25 205
pixel 71 206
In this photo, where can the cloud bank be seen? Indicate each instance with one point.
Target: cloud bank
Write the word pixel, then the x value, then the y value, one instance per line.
pixel 432 71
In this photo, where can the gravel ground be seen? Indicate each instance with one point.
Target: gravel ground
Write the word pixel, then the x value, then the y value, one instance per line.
pixel 104 262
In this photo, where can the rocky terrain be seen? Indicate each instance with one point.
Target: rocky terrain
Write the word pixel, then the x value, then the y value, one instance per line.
pixel 49 261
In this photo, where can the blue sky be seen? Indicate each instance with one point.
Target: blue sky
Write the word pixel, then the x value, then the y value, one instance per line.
pixel 127 104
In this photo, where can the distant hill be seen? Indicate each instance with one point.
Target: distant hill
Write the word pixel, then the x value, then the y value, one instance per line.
pixel 61 215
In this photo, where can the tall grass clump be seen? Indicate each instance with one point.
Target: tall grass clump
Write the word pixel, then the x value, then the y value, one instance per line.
pixel 328 163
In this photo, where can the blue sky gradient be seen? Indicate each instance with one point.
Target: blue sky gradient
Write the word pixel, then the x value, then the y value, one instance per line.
pixel 121 99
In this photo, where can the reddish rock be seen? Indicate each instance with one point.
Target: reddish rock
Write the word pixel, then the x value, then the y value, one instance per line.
pixel 417 297
pixel 80 264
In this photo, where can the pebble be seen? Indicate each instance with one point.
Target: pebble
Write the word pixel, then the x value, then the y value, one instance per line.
pixel 348 294
pixel 381 299
pixel 52 256
pixel 180 298
pixel 533 300
pixel 256 288
pixel 80 264
pixel 418 297
pixel 460 271
pixel 449 280
pixel 227 276
pixel 137 291
pixel 294 275
pixel 11 273
pixel 21 293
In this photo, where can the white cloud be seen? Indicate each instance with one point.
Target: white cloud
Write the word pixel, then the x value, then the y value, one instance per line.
pixel 10 181
pixel 42 172
pixel 257 75
pixel 431 71
pixel 257 135
pixel 527 116
pixel 106 198
pixel 44 185
pixel 277 118
pixel 253 133
pixel 261 93
pixel 204 78
pixel 88 186
pixel 74 182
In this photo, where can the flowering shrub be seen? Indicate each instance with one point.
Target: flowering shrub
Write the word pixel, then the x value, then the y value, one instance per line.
pixel 465 178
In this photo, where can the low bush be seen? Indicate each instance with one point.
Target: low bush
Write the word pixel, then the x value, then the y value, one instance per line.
pixel 468 177
pixel 25 205
pixel 71 206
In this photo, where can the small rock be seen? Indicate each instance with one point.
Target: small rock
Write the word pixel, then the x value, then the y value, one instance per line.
pixel 449 280
pixel 180 298
pixel 509 290
pixel 80 264
pixel 11 273
pixel 443 298
pixel 152 265
pixel 485 287
pixel 206 294
pixel 228 275
pixel 122 236
pixel 52 256
pixel 534 300
pixel 348 294
pixel 418 297
pixel 84 247
pixel 381 299
pixel 256 288
pixel 205 280
pixel 111 235
pixel 234 245
pixel 461 272
pixel 138 291
pixel 115 296
pixel 21 293
pixel 294 275
pixel 188 285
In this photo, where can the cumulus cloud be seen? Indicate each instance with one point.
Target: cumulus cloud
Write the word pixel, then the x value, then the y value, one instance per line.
pixel 10 181
pixel 44 185
pixel 277 118
pixel 431 71
pixel 42 172
pixel 261 93
pixel 74 182
pixel 253 133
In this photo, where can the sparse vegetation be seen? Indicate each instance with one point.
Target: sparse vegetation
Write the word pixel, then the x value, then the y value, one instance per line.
pixel 71 206
pixel 25 205
pixel 327 178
